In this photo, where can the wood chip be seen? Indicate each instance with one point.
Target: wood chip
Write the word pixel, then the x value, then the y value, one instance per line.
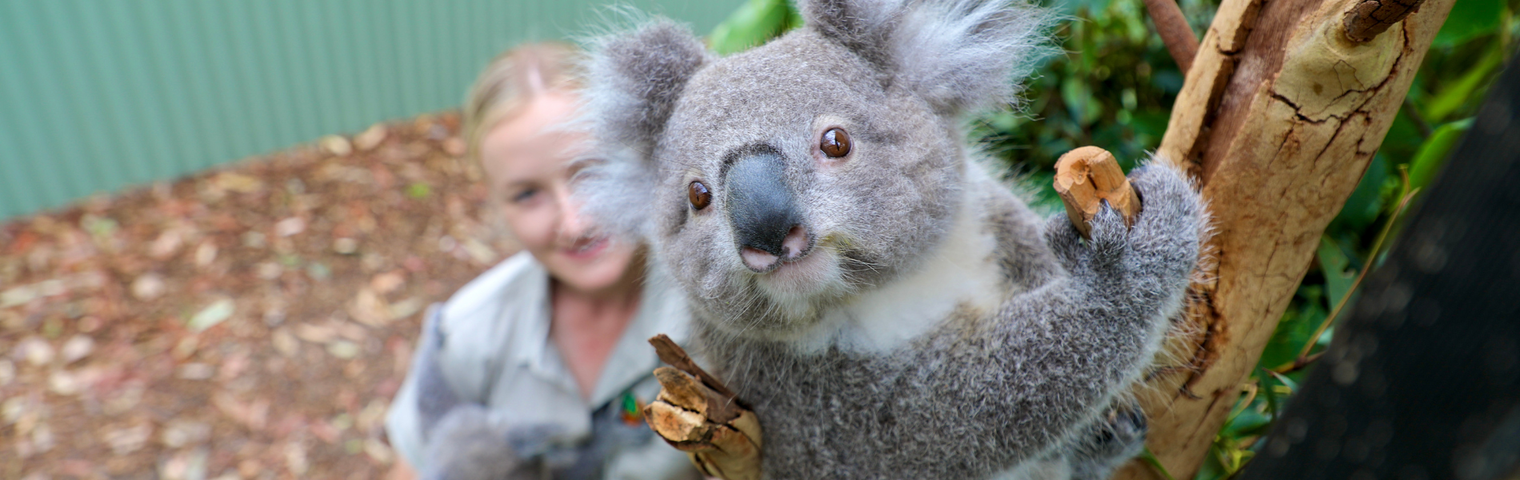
pixel 336 145
pixel 370 138
pixel 1088 176
pixel 698 414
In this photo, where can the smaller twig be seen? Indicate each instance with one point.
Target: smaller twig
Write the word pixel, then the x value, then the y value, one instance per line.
pixel 1303 355
pixel 697 414
pixel 675 356
pixel 1298 363
pixel 1179 38
pixel 1370 18
pixel 1241 405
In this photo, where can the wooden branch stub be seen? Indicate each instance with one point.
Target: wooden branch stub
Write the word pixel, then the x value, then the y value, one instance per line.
pixel 1178 37
pixel 675 356
pixel 697 414
pixel 1370 18
pixel 1085 178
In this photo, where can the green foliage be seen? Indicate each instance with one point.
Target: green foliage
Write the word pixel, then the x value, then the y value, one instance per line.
pixel 755 22
pixel 1115 87
pixel 1469 19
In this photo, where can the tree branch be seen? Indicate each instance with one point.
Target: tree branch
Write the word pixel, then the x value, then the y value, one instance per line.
pixel 1278 119
pixel 1179 38
pixel 1370 18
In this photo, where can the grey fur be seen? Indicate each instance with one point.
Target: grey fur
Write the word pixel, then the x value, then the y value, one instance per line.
pixel 1012 382
pixel 467 444
pixel 640 76
pixel 435 398
pixel 463 441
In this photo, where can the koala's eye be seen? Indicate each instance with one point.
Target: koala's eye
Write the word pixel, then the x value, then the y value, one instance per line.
pixel 698 194
pixel 835 143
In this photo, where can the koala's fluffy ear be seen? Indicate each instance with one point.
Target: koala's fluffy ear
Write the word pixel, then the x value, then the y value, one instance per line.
pixel 633 80
pixel 959 55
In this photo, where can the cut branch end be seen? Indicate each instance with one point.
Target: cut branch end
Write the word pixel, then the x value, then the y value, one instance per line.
pixel 1370 18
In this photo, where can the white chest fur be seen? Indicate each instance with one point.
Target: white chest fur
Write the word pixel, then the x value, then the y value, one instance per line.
pixel 959 271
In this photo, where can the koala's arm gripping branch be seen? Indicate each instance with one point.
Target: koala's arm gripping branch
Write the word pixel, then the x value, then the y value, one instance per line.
pixel 699 415
pixel 1085 333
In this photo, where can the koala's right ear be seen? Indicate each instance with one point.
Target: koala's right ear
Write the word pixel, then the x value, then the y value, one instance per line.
pixel 959 55
pixel 633 80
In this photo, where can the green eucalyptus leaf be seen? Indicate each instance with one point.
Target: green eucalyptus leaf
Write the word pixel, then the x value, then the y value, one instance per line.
pixel 1248 422
pixel 1265 382
pixel 1336 267
pixel 1457 93
pixel 1432 154
pixel 752 24
pixel 1294 329
pixel 1468 19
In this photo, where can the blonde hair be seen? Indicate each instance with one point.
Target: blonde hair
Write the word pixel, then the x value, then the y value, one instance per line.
pixel 511 81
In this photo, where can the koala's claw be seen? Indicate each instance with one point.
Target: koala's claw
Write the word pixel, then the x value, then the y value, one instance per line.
pixel 1109 243
pixel 1111 440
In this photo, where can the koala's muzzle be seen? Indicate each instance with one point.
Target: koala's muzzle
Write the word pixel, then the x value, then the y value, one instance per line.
pixel 763 210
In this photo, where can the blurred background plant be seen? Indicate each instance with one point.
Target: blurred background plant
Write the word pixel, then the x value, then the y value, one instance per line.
pixel 1114 88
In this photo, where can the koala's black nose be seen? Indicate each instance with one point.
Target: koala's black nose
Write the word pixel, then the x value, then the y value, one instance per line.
pixel 760 204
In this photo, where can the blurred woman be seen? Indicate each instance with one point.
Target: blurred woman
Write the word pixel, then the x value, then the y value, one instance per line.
pixel 540 366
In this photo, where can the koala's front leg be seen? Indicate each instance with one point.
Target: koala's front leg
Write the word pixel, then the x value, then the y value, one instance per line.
pixel 1075 343
pixel 1145 267
pixel 1117 436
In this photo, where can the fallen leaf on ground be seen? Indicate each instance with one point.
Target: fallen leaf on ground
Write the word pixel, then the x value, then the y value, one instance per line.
pixel 387 282
pixel 78 347
pixel 213 314
pixel 237 182
pixel 336 145
pixel 290 226
pixel 148 286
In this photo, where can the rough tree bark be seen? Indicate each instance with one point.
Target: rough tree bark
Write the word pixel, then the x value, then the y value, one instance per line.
pixel 1283 108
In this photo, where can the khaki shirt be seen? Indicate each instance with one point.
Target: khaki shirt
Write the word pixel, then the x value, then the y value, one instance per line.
pixel 495 351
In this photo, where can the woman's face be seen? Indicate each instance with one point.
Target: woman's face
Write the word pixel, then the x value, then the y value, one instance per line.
pixel 527 160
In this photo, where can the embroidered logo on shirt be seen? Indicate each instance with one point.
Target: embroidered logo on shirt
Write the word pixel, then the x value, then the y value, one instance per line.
pixel 633 410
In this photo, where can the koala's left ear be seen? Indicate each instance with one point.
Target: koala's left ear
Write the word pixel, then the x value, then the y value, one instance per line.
pixel 959 55
pixel 633 80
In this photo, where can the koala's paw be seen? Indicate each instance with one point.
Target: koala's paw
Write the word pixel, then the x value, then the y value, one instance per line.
pixel 1102 255
pixel 1113 439
pixel 468 445
pixel 1139 266
pixel 1172 217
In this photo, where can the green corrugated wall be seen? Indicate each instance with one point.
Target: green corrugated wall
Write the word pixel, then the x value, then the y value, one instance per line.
pixel 98 95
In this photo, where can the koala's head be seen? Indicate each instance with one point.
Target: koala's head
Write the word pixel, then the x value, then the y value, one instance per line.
pixel 779 181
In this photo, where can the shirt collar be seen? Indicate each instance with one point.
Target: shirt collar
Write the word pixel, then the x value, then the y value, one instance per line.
pixel 527 311
pixel 662 309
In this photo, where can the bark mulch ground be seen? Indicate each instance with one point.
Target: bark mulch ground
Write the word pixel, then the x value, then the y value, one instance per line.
pixel 248 322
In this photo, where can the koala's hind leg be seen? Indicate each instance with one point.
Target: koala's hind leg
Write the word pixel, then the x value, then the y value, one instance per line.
pixel 1111 440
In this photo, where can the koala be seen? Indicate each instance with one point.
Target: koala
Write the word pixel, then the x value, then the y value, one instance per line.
pixel 855 273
